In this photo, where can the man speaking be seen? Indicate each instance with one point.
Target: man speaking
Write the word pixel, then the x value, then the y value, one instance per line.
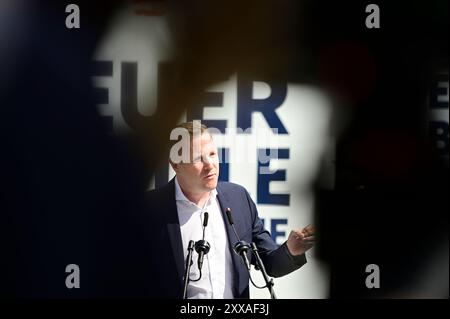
pixel 194 206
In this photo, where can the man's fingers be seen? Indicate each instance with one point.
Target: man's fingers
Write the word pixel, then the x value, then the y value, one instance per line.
pixel 298 233
pixel 304 233
pixel 308 241
pixel 309 230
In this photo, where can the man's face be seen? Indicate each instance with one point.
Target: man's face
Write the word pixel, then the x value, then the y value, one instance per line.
pixel 202 173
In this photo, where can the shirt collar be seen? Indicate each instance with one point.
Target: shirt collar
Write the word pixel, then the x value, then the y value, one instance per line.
pixel 179 195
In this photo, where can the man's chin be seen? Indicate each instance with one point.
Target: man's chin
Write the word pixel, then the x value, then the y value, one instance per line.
pixel 210 185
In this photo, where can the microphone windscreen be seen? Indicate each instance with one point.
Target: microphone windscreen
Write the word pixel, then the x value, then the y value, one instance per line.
pixel 230 218
pixel 205 219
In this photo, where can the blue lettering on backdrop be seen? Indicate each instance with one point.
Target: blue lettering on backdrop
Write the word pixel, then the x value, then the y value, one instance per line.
pixel 208 99
pixel 438 130
pixel 129 95
pixel 246 104
pixel 439 90
pixel 439 134
pixel 101 94
pixel 223 165
pixel 273 227
pixel 263 194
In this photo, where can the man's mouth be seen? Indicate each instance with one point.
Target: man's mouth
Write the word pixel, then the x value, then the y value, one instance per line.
pixel 209 176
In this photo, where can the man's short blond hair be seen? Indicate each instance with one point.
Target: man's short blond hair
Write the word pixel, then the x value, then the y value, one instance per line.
pixel 189 126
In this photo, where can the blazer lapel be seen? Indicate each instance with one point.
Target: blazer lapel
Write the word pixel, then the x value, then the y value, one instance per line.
pixel 173 230
pixel 225 202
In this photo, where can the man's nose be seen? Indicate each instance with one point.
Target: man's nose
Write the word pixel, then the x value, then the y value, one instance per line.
pixel 207 160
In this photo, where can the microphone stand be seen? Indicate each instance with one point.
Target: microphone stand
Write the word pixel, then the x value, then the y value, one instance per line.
pixel 188 267
pixel 241 247
pixel 202 248
pixel 260 266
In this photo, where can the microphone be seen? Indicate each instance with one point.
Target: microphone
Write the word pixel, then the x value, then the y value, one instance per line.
pixel 202 246
pixel 187 268
pixel 241 247
pixel 205 222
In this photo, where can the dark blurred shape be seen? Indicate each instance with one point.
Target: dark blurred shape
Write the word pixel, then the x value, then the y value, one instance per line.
pixel 347 71
pixel 390 205
pixel 70 193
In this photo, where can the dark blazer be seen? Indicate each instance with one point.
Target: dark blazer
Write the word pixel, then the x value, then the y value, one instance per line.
pixel 168 267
